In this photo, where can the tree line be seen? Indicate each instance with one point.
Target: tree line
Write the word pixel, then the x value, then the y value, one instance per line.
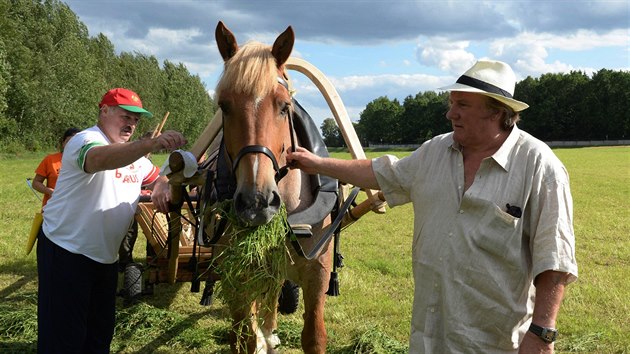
pixel 573 106
pixel 53 75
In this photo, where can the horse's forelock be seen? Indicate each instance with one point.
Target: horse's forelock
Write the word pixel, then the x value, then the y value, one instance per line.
pixel 251 71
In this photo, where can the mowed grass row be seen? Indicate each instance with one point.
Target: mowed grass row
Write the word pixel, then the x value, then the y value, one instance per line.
pixel 372 313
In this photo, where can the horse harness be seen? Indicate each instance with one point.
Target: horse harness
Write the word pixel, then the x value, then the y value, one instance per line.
pixel 220 185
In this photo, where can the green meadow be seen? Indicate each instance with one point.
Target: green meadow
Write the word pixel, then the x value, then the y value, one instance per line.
pixel 373 311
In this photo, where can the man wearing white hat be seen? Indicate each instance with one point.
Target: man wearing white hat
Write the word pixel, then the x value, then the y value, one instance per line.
pixel 493 245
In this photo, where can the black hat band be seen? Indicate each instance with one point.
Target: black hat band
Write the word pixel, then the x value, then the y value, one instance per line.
pixel 482 85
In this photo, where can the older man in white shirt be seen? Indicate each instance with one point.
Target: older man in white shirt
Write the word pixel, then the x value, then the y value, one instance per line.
pixel 493 245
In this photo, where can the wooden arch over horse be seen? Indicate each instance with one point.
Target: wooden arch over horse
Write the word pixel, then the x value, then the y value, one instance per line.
pixel 255 117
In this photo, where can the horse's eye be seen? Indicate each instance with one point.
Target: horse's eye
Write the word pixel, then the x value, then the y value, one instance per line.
pixel 224 108
pixel 284 111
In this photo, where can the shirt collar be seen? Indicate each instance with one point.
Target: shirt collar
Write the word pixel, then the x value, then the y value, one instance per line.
pixel 452 144
pixel 502 155
pixel 97 128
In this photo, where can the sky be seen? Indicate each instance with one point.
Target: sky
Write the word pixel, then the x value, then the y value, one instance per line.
pixel 374 48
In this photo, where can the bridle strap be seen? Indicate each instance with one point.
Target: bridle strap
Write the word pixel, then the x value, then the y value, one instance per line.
pixel 285 169
pixel 251 149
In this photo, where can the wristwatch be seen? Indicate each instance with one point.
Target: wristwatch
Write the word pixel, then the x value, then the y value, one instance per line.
pixel 547 334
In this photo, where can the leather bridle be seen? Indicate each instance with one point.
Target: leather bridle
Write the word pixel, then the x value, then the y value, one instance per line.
pixel 254 149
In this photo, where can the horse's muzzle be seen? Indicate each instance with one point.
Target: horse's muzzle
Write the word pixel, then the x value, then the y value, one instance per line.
pixel 257 208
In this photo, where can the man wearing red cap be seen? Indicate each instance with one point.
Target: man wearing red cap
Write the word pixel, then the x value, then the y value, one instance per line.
pixel 85 220
pixel 493 244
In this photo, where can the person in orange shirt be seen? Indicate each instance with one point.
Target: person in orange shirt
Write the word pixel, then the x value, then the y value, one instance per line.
pixel 48 169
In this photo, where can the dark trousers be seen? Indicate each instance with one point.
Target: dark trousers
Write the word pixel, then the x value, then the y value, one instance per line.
pixel 76 305
pixel 125 252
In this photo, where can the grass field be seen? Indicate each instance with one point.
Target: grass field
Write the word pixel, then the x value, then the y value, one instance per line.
pixel 372 313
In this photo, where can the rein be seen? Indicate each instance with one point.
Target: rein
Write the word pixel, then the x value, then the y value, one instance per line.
pixel 252 149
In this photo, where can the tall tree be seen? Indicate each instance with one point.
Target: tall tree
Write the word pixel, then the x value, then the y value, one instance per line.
pixel 609 104
pixel 5 77
pixel 423 117
pixel 331 133
pixel 190 105
pixel 380 121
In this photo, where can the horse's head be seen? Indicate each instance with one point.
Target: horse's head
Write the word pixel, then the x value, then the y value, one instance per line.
pixel 254 98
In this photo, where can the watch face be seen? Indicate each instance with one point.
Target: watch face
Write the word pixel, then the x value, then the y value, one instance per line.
pixel 549 335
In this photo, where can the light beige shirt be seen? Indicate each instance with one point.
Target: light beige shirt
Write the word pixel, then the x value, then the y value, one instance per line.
pixel 473 263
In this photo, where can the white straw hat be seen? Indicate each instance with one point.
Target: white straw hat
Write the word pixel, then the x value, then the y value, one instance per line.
pixel 491 78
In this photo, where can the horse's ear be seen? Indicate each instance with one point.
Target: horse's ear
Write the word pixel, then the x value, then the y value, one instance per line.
pixel 283 46
pixel 225 41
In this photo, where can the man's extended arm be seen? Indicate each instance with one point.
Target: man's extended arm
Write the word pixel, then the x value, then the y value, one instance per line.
pixel 356 172
pixel 109 157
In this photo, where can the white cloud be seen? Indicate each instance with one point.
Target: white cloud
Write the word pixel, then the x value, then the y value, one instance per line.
pixel 396 82
pixel 446 54
pixel 578 41
pixel 529 51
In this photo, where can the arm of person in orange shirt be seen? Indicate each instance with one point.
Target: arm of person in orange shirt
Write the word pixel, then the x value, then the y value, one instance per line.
pixel 38 185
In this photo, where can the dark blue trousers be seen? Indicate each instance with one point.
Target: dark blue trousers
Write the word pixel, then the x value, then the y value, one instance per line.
pixel 76 304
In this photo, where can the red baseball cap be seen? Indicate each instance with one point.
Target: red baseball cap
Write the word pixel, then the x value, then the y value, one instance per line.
pixel 125 99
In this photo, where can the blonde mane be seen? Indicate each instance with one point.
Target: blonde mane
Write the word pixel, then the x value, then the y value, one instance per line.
pixel 251 71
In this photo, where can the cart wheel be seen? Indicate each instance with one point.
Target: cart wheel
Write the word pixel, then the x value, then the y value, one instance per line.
pixel 289 298
pixel 133 282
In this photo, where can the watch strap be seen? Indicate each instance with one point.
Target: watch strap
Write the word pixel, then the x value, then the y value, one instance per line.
pixel 547 334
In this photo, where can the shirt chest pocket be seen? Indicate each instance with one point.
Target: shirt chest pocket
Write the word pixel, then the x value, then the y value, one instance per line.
pixel 492 230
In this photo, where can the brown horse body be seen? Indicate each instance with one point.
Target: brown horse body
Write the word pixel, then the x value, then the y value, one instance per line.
pixel 256 111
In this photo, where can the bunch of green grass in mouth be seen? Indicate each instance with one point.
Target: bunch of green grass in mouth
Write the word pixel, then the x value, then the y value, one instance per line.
pixel 253 265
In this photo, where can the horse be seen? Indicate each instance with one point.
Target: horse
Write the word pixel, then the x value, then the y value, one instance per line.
pixel 256 104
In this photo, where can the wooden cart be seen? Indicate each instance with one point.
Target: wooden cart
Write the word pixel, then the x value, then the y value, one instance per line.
pixel 159 253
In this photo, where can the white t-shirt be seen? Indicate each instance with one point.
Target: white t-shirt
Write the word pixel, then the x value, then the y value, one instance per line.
pixel 89 213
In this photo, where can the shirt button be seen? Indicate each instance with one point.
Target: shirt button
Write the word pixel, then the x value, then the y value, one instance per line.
pixel 461 211
pixel 450 234
pixel 435 285
pixel 432 309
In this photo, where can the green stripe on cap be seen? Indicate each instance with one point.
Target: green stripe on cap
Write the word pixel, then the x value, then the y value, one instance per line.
pixel 137 109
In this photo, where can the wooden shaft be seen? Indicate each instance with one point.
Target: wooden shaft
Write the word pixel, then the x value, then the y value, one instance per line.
pixel 336 106
pixel 207 136
pixel 176 164
pixel 376 204
pixel 369 204
pixel 174 233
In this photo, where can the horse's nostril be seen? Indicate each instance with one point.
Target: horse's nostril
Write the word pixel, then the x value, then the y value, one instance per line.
pixel 275 200
pixel 239 202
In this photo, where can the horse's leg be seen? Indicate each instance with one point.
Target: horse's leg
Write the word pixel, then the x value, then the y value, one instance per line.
pixel 245 331
pixel 269 315
pixel 315 277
